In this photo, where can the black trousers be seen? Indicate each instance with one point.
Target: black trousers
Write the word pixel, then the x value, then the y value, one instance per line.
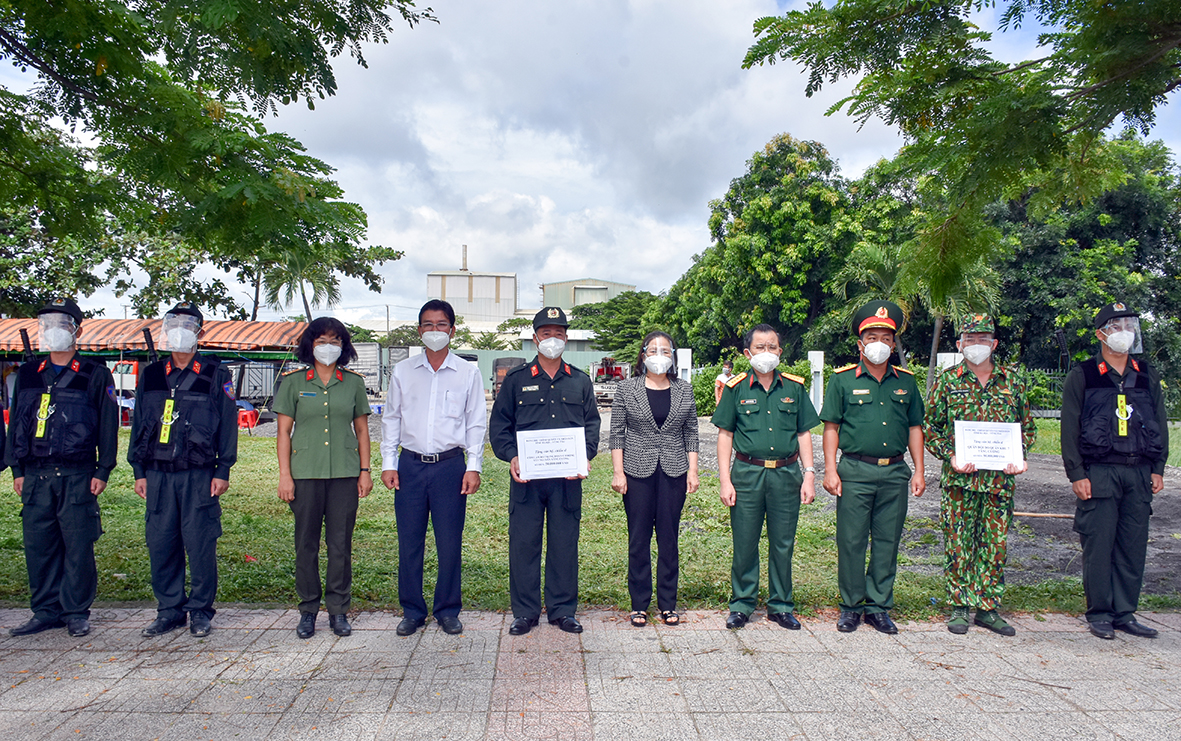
pixel 1113 530
pixel 182 519
pixel 60 519
pixel 654 502
pixel 327 506
pixel 556 506
pixel 430 492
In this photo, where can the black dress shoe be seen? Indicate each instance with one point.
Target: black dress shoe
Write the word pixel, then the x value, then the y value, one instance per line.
pixel 881 622
pixel 35 626
pixel 409 625
pixel 785 620
pixel 1134 628
pixel 340 625
pixel 199 625
pixel 450 625
pixel 78 627
pixel 736 620
pixel 160 626
pixel 848 621
pixel 307 625
pixel 520 626
pixel 1103 630
pixel 568 623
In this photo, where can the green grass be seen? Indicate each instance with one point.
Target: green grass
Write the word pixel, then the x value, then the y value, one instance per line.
pixel 257 524
pixel 1049 440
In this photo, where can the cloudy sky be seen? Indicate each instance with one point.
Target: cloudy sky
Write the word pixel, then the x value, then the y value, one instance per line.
pixel 562 140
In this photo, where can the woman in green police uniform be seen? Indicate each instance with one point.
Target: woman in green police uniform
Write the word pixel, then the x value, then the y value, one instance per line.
pixel 323 467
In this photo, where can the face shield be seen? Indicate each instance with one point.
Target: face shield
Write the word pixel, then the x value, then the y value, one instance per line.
pixel 180 333
pixel 55 332
pixel 1122 335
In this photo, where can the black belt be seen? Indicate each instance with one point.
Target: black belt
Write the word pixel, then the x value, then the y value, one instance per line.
pixel 434 457
pixel 775 463
pixel 1120 460
pixel 877 461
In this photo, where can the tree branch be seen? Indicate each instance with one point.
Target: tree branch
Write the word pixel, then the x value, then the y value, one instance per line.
pixel 1021 66
pixel 21 52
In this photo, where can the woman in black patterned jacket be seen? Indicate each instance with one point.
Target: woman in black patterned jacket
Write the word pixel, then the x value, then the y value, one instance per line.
pixel 654 457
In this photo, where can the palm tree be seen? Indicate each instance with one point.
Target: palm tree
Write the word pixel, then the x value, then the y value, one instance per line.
pixel 878 269
pixel 293 276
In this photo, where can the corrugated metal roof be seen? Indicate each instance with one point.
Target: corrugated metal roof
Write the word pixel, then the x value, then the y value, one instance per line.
pixel 127 334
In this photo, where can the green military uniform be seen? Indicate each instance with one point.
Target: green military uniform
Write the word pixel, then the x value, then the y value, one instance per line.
pixel 976 508
pixel 323 442
pixel 875 420
pixel 766 425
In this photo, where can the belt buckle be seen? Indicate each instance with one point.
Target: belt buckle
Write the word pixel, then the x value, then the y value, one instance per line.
pixel 883 461
pixel 770 464
pixel 429 458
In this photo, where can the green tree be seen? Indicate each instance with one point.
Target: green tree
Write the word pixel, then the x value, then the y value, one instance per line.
pixel 403 336
pixel 619 323
pixel 977 129
pixel 489 341
pixel 160 87
pixel 776 235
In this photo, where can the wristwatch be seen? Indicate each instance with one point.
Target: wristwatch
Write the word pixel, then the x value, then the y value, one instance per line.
pixel 366 470
pixel 809 469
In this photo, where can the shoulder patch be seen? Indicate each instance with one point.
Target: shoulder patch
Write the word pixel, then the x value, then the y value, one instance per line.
pixel 228 387
pixel 842 369
pixel 908 372
pixel 346 369
pixel 111 393
pixel 294 370
pixel 790 377
pixel 736 380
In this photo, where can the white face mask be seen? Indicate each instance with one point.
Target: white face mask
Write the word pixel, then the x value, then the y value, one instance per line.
pixel 764 362
pixel 182 340
pixel 551 347
pixel 877 352
pixel 658 364
pixel 977 354
pixel 1121 341
pixel 436 341
pixel 56 339
pixel 326 354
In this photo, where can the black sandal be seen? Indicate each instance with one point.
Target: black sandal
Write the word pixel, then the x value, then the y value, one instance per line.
pixel 670 617
pixel 639 619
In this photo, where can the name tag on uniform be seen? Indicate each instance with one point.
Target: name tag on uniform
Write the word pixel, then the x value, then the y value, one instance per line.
pixel 307 393
pixel 531 388
pixel 748 401
pixel 859 392
pixel 960 392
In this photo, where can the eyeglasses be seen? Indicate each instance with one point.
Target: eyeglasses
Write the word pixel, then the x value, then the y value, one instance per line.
pixel 976 339
pixel 764 347
pixel 321 341
pixel 435 326
pixel 652 351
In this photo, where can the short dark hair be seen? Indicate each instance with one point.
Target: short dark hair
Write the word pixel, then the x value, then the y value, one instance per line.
pixel 643 369
pixel 318 328
pixel 438 305
pixel 727 363
pixel 750 335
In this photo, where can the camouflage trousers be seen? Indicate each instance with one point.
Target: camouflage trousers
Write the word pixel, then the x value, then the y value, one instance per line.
pixel 975 535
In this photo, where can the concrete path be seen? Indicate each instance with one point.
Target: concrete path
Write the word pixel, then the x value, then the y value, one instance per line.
pixel 253 679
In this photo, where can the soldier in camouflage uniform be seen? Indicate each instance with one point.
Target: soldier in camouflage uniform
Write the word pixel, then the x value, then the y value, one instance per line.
pixel 977 506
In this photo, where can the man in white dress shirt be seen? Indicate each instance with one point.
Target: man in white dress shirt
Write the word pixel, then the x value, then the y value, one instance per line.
pixel 434 411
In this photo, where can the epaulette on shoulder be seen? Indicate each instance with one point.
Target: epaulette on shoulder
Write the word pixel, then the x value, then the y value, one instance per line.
pixel 350 370
pixel 300 369
pixel 736 380
pixel 842 369
pixel 904 370
pixel 790 377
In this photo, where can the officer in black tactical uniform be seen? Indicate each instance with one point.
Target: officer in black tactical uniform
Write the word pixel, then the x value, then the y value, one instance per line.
pixel 546 394
pixel 1115 441
pixel 183 442
pixel 62 445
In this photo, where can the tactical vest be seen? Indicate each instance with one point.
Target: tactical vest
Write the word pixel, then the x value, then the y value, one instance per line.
pixel 182 434
pixel 1111 427
pixel 55 421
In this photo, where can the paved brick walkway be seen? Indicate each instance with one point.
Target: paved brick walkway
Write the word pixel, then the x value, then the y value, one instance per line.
pixel 253 679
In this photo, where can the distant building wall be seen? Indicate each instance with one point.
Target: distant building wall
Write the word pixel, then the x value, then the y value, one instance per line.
pixel 570 293
pixel 477 297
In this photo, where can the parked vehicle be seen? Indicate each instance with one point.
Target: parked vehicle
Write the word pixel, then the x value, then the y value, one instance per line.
pixel 606 375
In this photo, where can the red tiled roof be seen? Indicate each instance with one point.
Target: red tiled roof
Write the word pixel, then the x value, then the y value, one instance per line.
pixel 127 334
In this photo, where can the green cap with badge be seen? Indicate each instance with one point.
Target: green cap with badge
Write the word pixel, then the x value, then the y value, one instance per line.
pixel 885 314
pixel 977 324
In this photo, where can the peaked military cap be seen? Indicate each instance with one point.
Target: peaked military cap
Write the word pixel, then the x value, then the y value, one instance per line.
pixel 1111 311
pixel 62 305
pixel 878 314
pixel 977 323
pixel 184 307
pixel 550 315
